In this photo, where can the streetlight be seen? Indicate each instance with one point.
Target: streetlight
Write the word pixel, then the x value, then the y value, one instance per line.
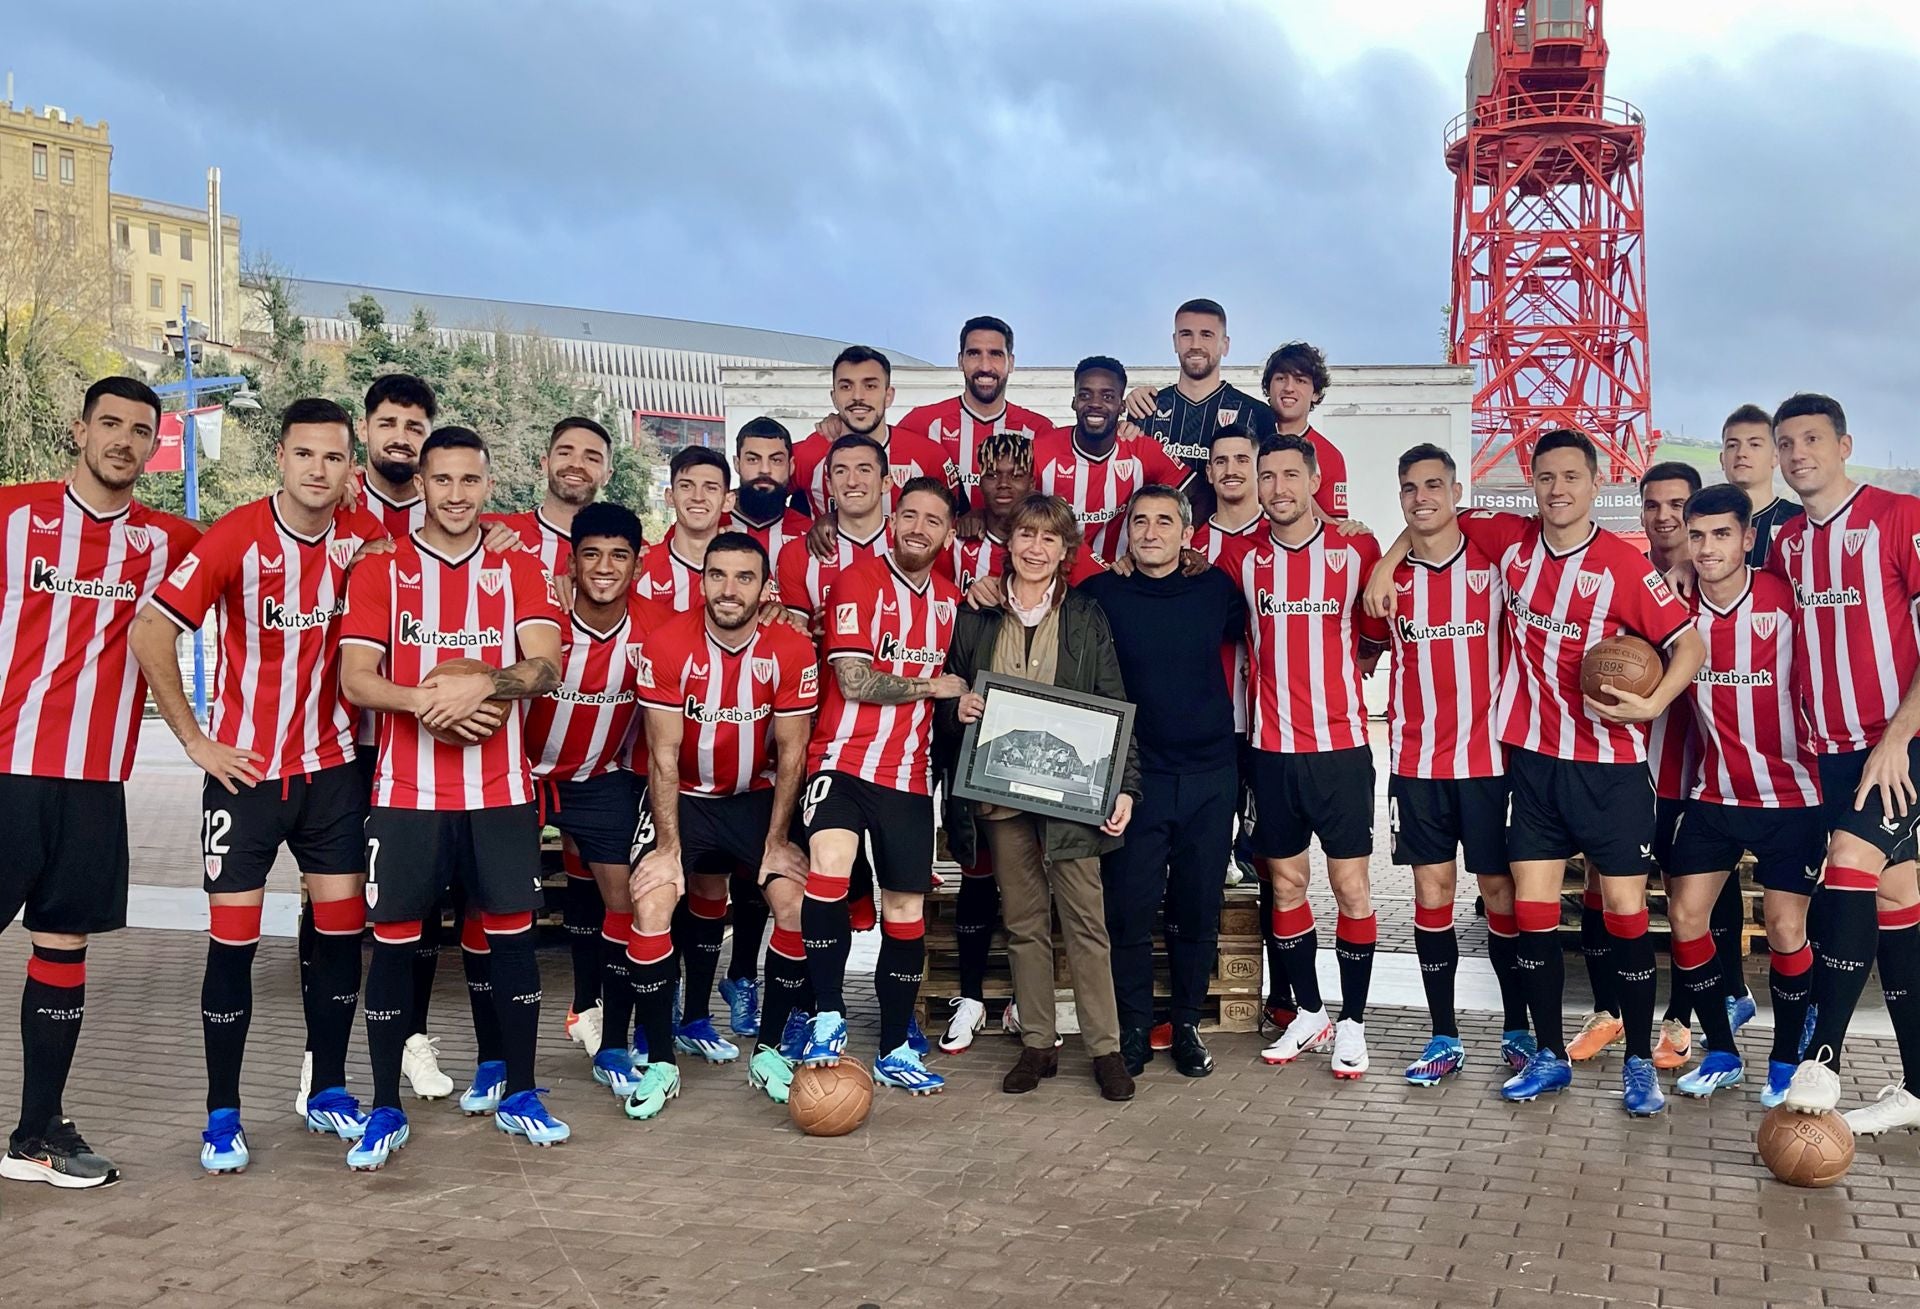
pixel 190 388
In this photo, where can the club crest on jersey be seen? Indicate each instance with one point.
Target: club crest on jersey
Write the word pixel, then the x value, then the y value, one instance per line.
pixel 1227 417
pixel 213 867
pixel 1854 539
pixel 493 580
pixel 1586 584
pixel 642 667
pixel 763 671
pixel 184 573
pixel 1337 560
pixel 846 619
pixel 1479 579
pixel 341 552
pixel 901 473
pixel 1763 625
pixel 943 611
pixel 137 537
pixel 634 657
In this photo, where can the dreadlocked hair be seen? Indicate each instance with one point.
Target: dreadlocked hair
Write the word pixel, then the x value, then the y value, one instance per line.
pixel 1006 445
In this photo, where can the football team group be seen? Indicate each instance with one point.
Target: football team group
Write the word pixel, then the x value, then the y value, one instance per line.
pixel 749 720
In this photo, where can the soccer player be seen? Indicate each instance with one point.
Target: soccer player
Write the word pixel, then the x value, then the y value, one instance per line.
pixel 862 393
pixel 763 463
pixel 1182 417
pixel 444 801
pixel 857 474
pixel 730 698
pixel 1748 460
pixel 1854 563
pixel 398 414
pixel 959 425
pixel 578 736
pixel 77 560
pixel 1093 467
pixel 277 753
pixel 1758 790
pixel 1312 767
pixel 889 623
pixel 1168 628
pixel 578 463
pixel 698 488
pixel 1576 767
pixel 1295 381
pixel 1447 789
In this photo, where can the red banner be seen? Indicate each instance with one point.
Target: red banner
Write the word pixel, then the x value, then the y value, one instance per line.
pixel 169 456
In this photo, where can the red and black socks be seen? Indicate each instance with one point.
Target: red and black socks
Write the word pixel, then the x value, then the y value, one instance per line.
pixel 333 986
pixel 51 1006
pixel 389 1006
pixel 515 978
pixel 1353 946
pixel 1540 969
pixel 704 928
pixel 786 988
pixel 226 999
pixel 1849 939
pixel 1438 949
pixel 896 978
pixel 1296 942
pixel 825 927
pixel 1790 987
pixel 616 993
pixel 1696 970
pixel 654 969
pixel 1634 967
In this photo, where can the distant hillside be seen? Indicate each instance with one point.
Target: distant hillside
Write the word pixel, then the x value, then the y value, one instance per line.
pixel 1706 458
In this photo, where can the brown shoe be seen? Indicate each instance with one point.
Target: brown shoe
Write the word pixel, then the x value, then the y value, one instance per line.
pixel 1029 1069
pixel 1110 1071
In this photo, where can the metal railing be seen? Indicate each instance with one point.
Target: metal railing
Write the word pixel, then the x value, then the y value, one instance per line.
pixel 1545 107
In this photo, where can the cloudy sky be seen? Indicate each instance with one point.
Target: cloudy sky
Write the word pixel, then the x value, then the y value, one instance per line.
pixel 880 171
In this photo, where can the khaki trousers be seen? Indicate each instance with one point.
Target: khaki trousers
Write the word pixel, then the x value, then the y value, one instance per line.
pixel 1030 886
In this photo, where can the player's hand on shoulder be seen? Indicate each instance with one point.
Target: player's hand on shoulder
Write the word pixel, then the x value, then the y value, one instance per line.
pixel 1379 594
pixel 1116 824
pixel 1350 527
pixel 972 707
pixel 831 427
pixel 380 546
pixel 985 593
pixel 822 537
pixel 1680 578
pixel 500 538
pixel 1192 562
pixel 1142 401
pixel 971 527
pixel 224 764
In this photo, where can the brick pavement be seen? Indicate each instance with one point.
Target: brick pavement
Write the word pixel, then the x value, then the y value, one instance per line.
pixel 1254 1187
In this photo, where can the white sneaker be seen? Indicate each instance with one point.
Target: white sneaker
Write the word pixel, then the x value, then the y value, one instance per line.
pixel 1815 1088
pixel 969 1017
pixel 1310 1029
pixel 1349 1049
pixel 1897 1107
pixel 420 1065
pixel 585 1027
pixel 1010 1024
pixel 306 1083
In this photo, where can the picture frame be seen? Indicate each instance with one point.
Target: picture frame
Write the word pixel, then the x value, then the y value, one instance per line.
pixel 1044 750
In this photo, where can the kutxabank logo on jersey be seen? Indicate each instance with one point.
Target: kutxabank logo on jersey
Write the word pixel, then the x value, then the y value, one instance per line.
pixel 415 632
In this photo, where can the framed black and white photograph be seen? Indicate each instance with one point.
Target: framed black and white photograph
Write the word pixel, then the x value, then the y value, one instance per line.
pixel 1044 750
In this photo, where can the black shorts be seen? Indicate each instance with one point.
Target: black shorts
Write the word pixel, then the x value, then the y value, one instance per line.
pixel 1840 778
pixel 896 826
pixel 1564 807
pixel 1666 823
pixel 66 860
pixel 1328 794
pixel 599 815
pixel 320 817
pixel 413 855
pixel 1788 845
pixel 1433 817
pixel 366 759
pixel 719 833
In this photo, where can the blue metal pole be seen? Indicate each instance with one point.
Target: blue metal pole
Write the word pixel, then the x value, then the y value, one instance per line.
pixel 190 453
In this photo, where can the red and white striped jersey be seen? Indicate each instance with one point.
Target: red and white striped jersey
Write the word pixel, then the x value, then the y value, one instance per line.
pixel 877 614
pixel 71 581
pixel 956 429
pixel 790 526
pixel 1224 548
pixel 585 726
pixel 669 578
pixel 277 594
pixel 1332 467
pixel 1856 575
pixel 806 583
pixel 1558 607
pixel 397 517
pixel 965 562
pixel 1753 746
pixel 552 546
pixel 909 455
pixel 1447 620
pixel 729 697
pixel 1305 626
pixel 419 609
pixel 1673 752
pixel 1097 488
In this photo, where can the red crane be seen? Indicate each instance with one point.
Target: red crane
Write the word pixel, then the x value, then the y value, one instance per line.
pixel 1549 218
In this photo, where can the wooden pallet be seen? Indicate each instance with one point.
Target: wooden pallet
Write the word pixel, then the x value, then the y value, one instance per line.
pixel 1222 1013
pixel 1753 931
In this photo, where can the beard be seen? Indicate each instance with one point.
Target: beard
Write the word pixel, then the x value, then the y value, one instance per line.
pixel 1196 371
pixel 114 482
pixel 761 500
pixel 566 495
pixel 747 615
pixel 986 390
pixel 395 471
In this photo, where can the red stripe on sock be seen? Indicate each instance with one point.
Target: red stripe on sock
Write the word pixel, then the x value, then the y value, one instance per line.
pixel 1697 953
pixel 238 924
pixel 1894 920
pixel 1502 924
pixel 1850 879
pixel 398 933
pixel 49 972
pixel 646 948
pixel 1592 900
pixel 1357 931
pixel 701 907
pixel 473 935
pixel 787 943
pixel 1627 927
pixel 507 924
pixel 1536 915
pixel 822 887
pixel 911 930
pixel 1289 923
pixel 616 927
pixel 340 917
pixel 572 862
pixel 1437 919
pixel 1793 963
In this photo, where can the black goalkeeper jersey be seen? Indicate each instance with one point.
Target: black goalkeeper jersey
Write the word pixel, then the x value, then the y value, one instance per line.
pixel 1184 427
pixel 1766 525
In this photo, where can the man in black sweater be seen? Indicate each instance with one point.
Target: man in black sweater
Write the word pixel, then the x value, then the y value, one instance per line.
pixel 1169 629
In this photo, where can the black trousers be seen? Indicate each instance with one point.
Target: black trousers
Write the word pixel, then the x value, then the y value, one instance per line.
pixel 1175 854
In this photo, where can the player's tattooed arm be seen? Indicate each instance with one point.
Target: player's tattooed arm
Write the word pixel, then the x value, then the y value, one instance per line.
pixel 537 673
pixel 860 680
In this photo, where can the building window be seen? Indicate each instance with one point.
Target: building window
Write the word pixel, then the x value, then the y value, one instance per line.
pixel 123 288
pixel 39 224
pixel 66 167
pixel 39 163
pixel 156 293
pixel 122 233
pixel 186 243
pixel 69 237
pixel 158 342
pixel 186 296
pixel 153 238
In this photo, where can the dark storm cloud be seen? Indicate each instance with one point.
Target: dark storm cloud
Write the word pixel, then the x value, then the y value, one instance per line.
pixel 880 172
